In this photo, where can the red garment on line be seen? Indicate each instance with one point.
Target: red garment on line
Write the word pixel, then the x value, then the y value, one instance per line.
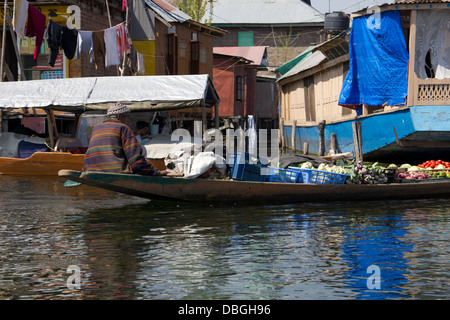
pixel 35 28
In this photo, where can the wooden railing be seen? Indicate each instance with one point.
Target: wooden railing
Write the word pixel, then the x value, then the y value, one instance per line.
pixel 432 92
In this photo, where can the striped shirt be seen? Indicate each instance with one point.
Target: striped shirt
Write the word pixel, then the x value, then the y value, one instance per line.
pixel 114 148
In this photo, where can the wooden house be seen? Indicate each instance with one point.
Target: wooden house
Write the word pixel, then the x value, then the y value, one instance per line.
pixel 339 96
pixel 242 92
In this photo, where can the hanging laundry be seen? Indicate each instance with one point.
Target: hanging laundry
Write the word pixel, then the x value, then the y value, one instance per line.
pixel 84 44
pixel 98 43
pixel 122 39
pixel 132 60
pixel 69 41
pixel 124 4
pixel 53 35
pixel 35 28
pixel 60 37
pixel 20 15
pixel 111 49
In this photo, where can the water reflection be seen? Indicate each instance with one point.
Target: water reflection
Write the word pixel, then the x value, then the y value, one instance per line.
pixel 130 248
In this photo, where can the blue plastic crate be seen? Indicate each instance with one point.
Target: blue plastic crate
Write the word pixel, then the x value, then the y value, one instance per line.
pixel 284 175
pixel 247 167
pixel 321 177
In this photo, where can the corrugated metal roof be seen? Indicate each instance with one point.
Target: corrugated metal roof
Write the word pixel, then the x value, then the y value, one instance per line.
pixel 167 11
pixel 255 54
pixel 226 12
pixel 311 61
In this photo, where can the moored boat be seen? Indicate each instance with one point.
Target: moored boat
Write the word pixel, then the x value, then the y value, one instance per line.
pixel 243 192
pixel 41 163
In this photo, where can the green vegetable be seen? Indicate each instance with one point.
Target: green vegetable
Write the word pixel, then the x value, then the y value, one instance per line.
pixel 405 165
pixel 307 165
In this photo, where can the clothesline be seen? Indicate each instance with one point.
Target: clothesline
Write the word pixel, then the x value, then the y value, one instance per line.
pixel 106 45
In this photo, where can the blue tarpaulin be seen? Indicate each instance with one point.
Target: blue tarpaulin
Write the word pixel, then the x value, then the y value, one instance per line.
pixel 378 62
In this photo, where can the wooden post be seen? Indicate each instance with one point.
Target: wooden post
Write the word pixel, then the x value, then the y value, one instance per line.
pixel 50 130
pixel 305 147
pixel 216 116
pixel 294 128
pixel 357 140
pixel 281 135
pixel 411 98
pixel 2 58
pixel 333 143
pixel 322 138
pixel 204 122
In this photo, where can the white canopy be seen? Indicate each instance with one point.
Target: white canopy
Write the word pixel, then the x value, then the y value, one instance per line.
pixel 97 93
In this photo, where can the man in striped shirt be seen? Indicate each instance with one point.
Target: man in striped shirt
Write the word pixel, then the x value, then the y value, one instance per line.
pixel 113 146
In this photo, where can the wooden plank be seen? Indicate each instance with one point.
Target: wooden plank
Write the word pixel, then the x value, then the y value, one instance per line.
pixel 412 53
pixel 333 143
pixel 322 138
pixel 305 148
pixel 357 140
pixel 294 129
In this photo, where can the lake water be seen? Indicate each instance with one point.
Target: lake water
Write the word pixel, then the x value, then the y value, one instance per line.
pixel 86 243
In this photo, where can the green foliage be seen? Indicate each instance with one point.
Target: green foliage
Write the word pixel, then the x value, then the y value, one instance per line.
pixel 196 9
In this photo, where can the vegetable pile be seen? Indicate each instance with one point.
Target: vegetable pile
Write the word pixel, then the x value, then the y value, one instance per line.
pixel 361 173
pixel 375 173
pixel 435 164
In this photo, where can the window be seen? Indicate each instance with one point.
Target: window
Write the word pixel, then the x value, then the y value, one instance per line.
pixel 310 106
pixel 182 48
pixel 245 38
pixel 194 57
pixel 172 55
pixel 203 56
pixel 239 88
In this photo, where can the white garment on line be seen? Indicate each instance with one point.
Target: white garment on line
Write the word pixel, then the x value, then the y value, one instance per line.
pixel 84 44
pixel 140 63
pixel 111 48
pixel 20 15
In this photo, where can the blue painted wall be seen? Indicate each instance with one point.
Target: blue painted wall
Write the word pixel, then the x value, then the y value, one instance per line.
pixel 431 118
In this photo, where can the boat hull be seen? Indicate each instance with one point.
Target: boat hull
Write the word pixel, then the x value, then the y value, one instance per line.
pixel 41 163
pixel 241 192
pixel 417 133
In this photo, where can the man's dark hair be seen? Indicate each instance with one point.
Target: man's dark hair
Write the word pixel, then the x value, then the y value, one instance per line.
pixel 141 124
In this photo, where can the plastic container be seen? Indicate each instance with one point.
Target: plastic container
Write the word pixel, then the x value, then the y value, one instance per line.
pixel 26 149
pixel 247 167
pixel 154 129
pixel 284 175
pixel 321 177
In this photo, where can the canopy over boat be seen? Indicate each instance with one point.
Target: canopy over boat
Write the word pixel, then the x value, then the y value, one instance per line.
pixel 140 93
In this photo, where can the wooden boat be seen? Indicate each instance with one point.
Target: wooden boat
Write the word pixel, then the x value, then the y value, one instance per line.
pixel 41 163
pixel 96 94
pixel 242 192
